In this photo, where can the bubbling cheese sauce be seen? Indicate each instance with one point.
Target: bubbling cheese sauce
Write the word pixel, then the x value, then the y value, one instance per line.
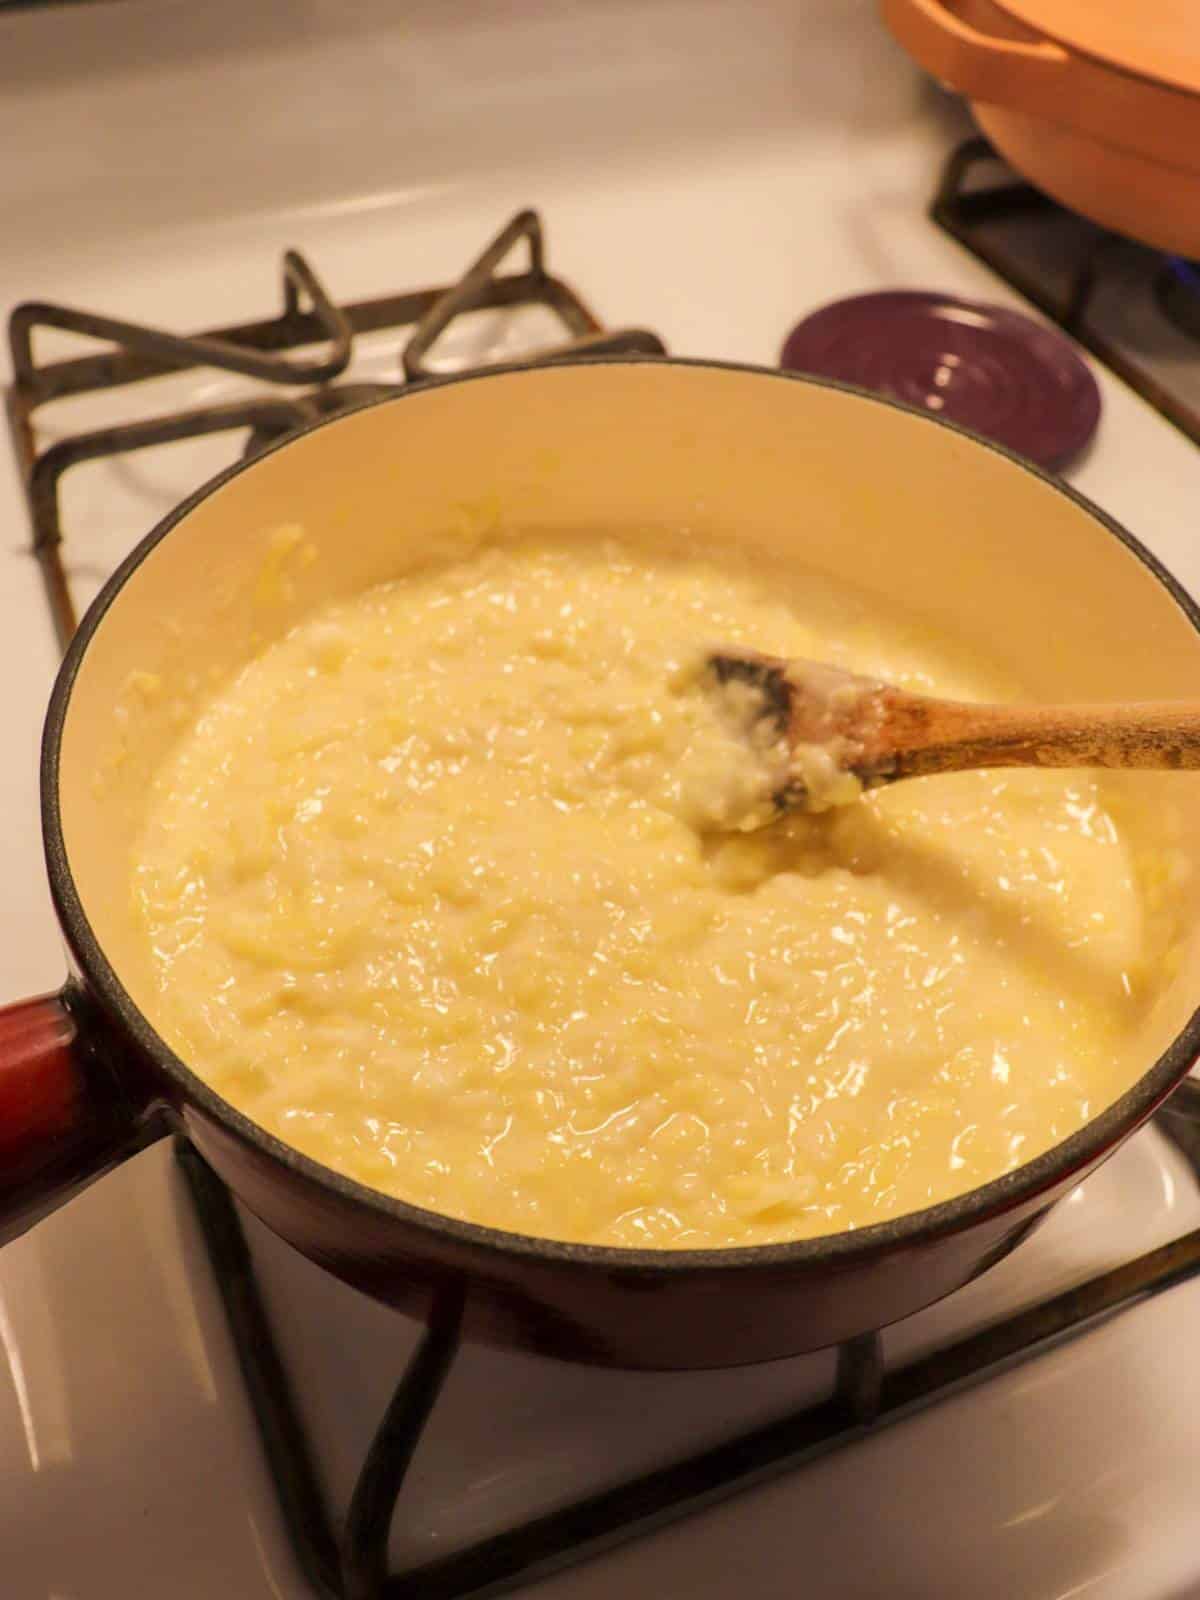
pixel 437 892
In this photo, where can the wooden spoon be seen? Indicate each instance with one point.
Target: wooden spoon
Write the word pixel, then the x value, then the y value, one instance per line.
pixel 830 733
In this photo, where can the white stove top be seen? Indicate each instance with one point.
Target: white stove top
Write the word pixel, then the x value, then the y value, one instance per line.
pixel 711 172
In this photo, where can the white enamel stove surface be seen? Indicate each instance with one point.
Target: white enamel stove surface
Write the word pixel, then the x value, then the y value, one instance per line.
pixel 711 171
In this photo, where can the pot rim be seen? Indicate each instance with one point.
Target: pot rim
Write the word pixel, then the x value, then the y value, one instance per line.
pixel 1009 1192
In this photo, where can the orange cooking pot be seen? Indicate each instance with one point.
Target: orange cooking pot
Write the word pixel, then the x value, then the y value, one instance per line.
pixel 1096 101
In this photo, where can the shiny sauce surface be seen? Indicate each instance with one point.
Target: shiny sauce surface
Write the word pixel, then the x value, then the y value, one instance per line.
pixel 438 892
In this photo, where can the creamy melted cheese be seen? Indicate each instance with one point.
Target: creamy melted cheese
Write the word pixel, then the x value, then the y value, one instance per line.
pixel 436 893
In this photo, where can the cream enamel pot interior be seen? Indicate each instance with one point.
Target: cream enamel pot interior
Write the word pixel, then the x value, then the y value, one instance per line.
pixel 892 500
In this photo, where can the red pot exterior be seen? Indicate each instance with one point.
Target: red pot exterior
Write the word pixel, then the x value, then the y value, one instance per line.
pixel 568 1306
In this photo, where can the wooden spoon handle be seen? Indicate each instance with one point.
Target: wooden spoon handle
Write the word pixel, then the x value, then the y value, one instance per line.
pixel 950 736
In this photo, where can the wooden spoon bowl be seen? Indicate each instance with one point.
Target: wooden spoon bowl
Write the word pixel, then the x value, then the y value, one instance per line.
pixel 832 723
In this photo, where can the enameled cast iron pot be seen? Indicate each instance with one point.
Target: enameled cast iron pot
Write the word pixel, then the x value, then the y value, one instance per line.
pixel 1097 101
pixel 922 515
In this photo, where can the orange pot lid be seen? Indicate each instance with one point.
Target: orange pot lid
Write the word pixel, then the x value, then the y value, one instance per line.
pixel 1157 39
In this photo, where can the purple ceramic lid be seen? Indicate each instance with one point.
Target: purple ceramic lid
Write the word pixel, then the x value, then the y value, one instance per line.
pixel 1009 378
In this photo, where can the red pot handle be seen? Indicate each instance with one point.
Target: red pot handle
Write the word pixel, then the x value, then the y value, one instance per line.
pixel 64 1117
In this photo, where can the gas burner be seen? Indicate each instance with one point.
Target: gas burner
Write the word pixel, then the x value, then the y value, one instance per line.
pixel 994 370
pixel 258 350
pixel 1177 289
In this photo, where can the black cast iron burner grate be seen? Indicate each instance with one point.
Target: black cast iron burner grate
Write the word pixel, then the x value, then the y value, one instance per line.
pixel 347 1559
pixel 260 350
